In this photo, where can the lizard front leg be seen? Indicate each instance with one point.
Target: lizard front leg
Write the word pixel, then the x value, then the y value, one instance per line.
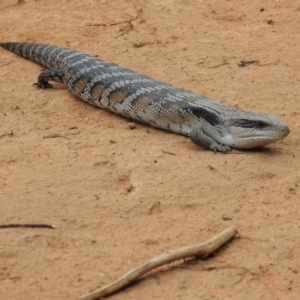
pixel 199 137
pixel 49 75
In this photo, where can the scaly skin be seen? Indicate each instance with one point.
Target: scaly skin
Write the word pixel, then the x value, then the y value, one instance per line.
pixel 209 124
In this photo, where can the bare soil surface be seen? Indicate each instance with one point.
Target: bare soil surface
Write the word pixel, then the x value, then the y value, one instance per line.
pixel 119 196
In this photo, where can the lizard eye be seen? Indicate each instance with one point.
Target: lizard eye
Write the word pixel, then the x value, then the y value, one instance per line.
pixel 244 123
pixel 260 124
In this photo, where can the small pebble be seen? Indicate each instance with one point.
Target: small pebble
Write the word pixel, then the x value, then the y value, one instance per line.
pixel 131 126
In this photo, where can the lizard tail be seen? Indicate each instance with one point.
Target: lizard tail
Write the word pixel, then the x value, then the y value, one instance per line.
pixel 45 55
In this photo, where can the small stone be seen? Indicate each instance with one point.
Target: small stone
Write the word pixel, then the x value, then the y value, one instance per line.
pixel 131 126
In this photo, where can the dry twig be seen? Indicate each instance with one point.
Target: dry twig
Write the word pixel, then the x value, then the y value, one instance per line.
pixel 5 134
pixel 54 135
pixel 201 250
pixel 27 226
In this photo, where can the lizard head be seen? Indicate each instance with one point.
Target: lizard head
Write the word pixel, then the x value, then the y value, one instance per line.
pixel 246 130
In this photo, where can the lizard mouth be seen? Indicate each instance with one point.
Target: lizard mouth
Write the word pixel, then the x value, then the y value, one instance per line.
pixel 255 138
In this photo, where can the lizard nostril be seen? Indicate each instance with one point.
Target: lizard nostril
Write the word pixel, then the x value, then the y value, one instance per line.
pixel 285 130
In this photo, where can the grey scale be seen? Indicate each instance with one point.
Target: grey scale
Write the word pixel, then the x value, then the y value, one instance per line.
pixel 106 85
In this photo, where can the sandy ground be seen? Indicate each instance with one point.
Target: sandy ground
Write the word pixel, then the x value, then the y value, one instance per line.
pixel 119 196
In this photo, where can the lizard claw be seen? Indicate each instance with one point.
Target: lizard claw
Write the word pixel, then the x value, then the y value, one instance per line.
pixel 43 85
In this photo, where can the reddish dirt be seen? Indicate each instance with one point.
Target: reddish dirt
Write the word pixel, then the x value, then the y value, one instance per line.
pixel 118 196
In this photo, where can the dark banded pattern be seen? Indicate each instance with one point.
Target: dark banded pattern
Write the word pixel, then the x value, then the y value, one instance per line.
pixel 142 98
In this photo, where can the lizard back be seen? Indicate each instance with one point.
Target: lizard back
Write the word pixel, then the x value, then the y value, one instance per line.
pixel 121 90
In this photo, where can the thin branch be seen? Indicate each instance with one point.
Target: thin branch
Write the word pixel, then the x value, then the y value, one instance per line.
pixel 27 226
pixel 167 152
pixel 5 134
pixel 54 135
pixel 201 250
